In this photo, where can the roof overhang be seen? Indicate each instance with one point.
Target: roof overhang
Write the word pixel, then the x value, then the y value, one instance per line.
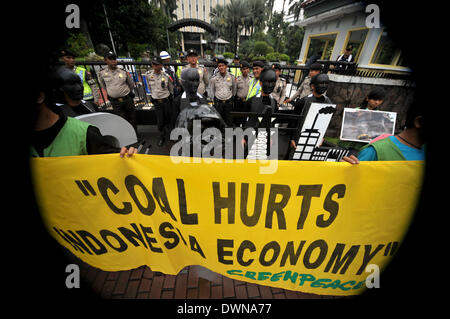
pixel 332 14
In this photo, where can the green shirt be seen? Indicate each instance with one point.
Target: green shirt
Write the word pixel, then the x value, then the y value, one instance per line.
pixel 70 141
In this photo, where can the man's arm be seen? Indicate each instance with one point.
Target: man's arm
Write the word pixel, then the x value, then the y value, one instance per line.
pixel 96 143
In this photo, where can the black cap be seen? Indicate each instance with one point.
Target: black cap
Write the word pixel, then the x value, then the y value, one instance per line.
pixel 276 66
pixel 244 64
pixel 110 55
pixel 182 54
pixel 222 60
pixel 258 63
pixel 156 60
pixel 236 57
pixel 67 53
pixel 316 66
pixel 349 47
pixel 192 52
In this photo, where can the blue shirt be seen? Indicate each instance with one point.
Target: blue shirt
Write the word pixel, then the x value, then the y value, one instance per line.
pixel 410 153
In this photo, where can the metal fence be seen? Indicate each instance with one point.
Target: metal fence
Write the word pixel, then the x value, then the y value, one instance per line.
pixel 293 74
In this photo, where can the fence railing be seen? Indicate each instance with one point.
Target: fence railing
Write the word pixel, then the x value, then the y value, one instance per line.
pixel 293 74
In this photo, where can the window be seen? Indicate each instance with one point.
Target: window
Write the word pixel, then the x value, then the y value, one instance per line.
pixel 387 53
pixel 356 39
pixel 322 44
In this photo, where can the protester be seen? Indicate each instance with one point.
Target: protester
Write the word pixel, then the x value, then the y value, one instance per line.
pixel 373 100
pixel 68 91
pixel 319 86
pixel 55 134
pixel 408 145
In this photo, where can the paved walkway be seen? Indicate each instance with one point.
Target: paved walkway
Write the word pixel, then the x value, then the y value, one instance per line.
pixel 143 283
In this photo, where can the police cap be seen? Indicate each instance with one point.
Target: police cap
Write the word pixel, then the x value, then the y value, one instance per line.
pixel 316 66
pixel 110 55
pixel 156 60
pixel 67 53
pixel 245 64
pixel 276 66
pixel 258 63
pixel 222 60
pixel 192 52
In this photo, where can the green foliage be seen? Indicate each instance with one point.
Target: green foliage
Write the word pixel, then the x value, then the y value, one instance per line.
pixel 78 44
pixel 284 57
pixel 259 58
pixel 228 55
pixel 136 49
pixel 133 24
pixel 262 48
pixel 273 57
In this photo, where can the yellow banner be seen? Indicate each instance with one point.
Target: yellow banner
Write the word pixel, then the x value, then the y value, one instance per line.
pixel 310 226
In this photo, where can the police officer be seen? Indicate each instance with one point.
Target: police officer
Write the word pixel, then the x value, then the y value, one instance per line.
pixel 161 87
pixel 255 84
pixel 169 69
pixel 182 59
pixel 119 88
pixel 242 86
pixel 279 93
pixel 90 90
pixel 215 60
pixel 236 71
pixel 192 58
pixel 223 87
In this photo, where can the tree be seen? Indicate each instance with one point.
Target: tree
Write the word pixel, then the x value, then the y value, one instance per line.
pixel 295 8
pixel 135 22
pixel 294 40
pixel 168 7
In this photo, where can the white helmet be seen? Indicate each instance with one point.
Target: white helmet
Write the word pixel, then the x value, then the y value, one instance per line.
pixel 164 55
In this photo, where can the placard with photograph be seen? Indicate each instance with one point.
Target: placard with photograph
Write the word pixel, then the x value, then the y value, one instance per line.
pixel 365 125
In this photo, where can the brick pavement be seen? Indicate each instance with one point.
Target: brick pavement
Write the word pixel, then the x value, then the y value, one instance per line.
pixel 143 283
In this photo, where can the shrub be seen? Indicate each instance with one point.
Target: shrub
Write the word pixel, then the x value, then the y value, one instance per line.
pixel 284 57
pixel 228 55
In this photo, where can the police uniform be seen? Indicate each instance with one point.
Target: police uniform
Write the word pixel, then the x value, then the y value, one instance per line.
pixel 204 79
pixel 255 84
pixel 161 88
pixel 279 92
pixel 242 86
pixel 90 90
pixel 119 88
pixel 236 71
pixel 223 88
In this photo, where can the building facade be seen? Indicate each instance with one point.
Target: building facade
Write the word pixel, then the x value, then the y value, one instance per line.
pixel 332 25
pixel 193 37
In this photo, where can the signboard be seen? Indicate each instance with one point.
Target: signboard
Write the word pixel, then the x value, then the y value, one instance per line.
pixel 312 226
pixel 365 125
